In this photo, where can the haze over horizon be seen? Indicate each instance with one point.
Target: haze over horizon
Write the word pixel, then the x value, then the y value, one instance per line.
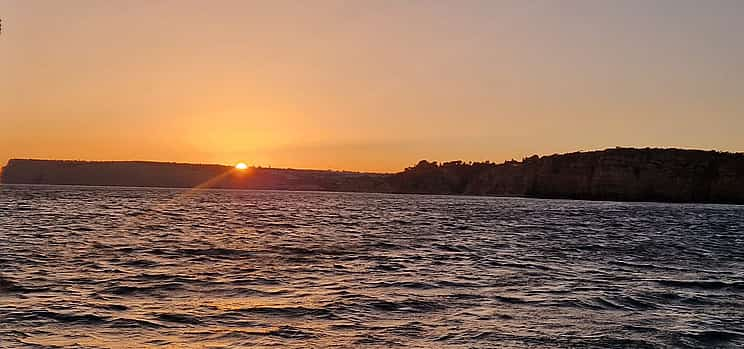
pixel 375 86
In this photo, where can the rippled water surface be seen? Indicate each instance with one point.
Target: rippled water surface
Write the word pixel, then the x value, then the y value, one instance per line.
pixel 141 268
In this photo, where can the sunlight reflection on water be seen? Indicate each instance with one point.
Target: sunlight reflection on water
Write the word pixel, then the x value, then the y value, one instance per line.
pixel 115 268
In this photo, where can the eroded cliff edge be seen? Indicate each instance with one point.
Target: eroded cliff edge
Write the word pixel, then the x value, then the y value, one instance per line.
pixel 623 174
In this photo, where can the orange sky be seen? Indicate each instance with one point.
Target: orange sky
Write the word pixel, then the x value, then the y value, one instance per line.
pixel 366 85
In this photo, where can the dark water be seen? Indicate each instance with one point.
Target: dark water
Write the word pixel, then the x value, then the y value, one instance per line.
pixel 140 268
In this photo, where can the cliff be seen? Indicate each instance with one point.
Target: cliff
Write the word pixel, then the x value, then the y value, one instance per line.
pixel 622 174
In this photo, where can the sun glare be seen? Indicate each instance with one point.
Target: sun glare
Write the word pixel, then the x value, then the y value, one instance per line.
pixel 241 166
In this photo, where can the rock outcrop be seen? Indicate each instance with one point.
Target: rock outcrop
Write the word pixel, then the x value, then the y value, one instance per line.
pixel 623 174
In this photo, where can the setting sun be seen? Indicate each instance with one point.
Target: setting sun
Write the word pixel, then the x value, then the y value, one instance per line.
pixel 422 173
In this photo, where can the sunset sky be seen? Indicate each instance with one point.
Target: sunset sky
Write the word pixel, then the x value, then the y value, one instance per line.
pixel 366 85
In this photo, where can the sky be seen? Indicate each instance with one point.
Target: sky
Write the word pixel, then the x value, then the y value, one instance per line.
pixel 370 85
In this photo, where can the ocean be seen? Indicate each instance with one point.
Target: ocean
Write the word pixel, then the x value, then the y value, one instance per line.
pixel 94 267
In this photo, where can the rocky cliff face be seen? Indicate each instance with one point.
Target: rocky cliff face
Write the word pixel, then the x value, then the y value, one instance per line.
pixel 623 174
pixel 640 174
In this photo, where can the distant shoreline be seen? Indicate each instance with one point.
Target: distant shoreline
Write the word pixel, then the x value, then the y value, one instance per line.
pixel 183 189
pixel 618 174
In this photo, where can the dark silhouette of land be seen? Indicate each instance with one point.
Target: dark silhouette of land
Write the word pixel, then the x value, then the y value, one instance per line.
pixel 176 175
pixel 623 174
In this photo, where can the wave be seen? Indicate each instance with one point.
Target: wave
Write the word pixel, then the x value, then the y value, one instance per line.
pixel 148 290
pixel 132 323
pixel 286 311
pixel 703 284
pixel 626 303
pixel 178 318
pixel 7 286
pixel 10 287
pixel 290 332
pixel 32 315
pixel 714 337
pixel 404 284
pixel 405 306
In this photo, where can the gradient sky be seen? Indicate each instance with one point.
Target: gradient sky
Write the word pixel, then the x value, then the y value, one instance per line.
pixel 366 85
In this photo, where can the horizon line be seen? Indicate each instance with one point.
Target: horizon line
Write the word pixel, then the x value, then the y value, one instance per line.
pixel 371 172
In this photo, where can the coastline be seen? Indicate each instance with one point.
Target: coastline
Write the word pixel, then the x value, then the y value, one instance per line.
pixel 619 174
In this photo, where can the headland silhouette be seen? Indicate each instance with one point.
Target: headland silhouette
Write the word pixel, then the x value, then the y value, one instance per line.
pixel 620 174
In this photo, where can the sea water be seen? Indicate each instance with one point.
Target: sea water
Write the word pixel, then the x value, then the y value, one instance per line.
pixel 90 267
